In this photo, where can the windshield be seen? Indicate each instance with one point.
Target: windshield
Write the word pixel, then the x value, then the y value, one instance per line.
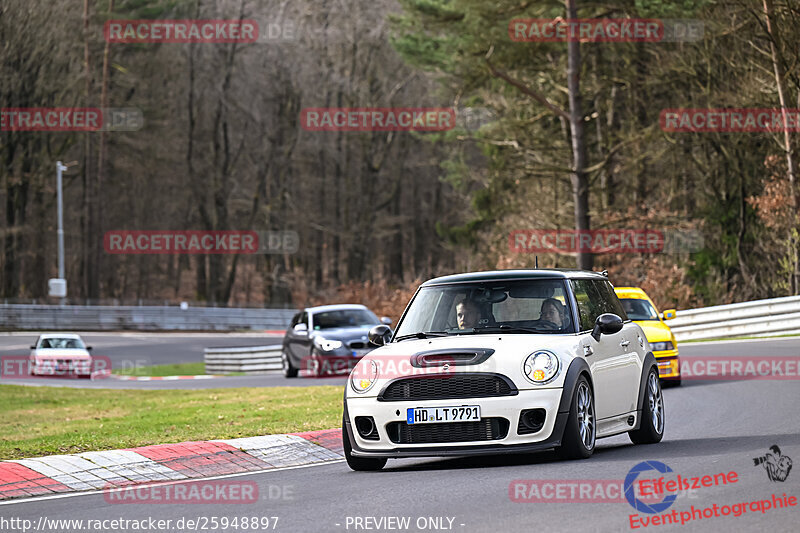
pixel 62 343
pixel 346 318
pixel 524 306
pixel 639 309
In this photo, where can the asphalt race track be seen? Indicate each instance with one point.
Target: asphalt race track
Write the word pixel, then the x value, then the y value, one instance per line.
pixel 164 348
pixel 272 380
pixel 145 348
pixel 126 350
pixel 711 428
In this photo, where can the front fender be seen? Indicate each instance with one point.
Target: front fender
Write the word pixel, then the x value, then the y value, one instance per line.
pixel 577 367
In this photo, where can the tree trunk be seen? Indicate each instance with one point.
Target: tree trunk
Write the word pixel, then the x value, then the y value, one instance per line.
pixel 101 151
pixel 580 181
pixel 89 270
pixel 777 64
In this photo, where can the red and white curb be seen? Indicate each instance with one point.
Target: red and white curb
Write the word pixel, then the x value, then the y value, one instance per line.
pixel 165 462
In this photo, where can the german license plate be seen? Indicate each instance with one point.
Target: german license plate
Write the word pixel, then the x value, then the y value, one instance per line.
pixel 436 415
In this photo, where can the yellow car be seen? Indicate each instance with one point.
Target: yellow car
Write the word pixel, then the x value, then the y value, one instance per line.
pixel 641 309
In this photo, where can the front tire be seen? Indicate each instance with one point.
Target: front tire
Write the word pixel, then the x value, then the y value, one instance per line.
pixel 581 431
pixel 359 464
pixel 651 427
pixel 288 370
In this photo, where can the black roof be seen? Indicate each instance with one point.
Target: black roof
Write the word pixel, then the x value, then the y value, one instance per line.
pixel 495 275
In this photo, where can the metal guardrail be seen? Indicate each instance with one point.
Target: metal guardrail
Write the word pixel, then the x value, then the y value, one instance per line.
pixel 249 359
pixel 142 318
pixel 759 318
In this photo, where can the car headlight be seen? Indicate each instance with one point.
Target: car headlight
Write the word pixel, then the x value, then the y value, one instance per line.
pixel 364 376
pixel 661 346
pixel 327 345
pixel 541 366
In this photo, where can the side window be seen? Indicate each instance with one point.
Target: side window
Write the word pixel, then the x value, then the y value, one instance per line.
pixel 295 320
pixel 610 300
pixel 596 297
pixel 303 319
pixel 587 298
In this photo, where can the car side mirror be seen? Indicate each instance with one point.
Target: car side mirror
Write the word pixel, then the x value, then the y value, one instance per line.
pixel 33 347
pixel 606 324
pixel 669 314
pixel 88 348
pixel 380 335
pixel 386 320
pixel 301 328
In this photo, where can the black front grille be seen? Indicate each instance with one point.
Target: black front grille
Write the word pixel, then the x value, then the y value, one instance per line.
pixel 447 386
pixel 482 430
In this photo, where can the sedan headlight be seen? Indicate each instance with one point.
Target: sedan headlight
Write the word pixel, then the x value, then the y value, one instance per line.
pixel 364 376
pixel 541 366
pixel 661 346
pixel 327 345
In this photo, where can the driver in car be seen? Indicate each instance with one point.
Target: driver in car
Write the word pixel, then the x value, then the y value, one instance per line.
pixel 552 311
pixel 467 313
pixel 627 305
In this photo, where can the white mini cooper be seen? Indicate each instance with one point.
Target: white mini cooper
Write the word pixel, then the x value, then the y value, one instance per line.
pixel 509 361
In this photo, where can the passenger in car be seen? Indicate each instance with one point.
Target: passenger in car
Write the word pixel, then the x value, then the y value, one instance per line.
pixel 553 312
pixel 467 314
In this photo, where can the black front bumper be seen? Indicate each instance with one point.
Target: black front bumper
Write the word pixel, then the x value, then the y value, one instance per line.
pixel 450 451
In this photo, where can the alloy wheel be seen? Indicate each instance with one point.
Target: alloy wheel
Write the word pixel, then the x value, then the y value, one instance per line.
pixel 656 403
pixel 585 413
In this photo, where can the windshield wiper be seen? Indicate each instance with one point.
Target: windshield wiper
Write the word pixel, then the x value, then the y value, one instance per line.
pixel 423 335
pixel 507 328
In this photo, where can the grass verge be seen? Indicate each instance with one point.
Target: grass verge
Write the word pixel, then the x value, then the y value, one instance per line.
pixel 179 369
pixel 54 420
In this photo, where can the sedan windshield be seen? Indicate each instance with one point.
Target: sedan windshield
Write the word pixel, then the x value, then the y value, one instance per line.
pixel 639 309
pixel 345 318
pixel 62 343
pixel 521 306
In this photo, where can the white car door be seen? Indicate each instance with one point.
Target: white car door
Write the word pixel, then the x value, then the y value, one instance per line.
pixel 613 359
pixel 600 358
